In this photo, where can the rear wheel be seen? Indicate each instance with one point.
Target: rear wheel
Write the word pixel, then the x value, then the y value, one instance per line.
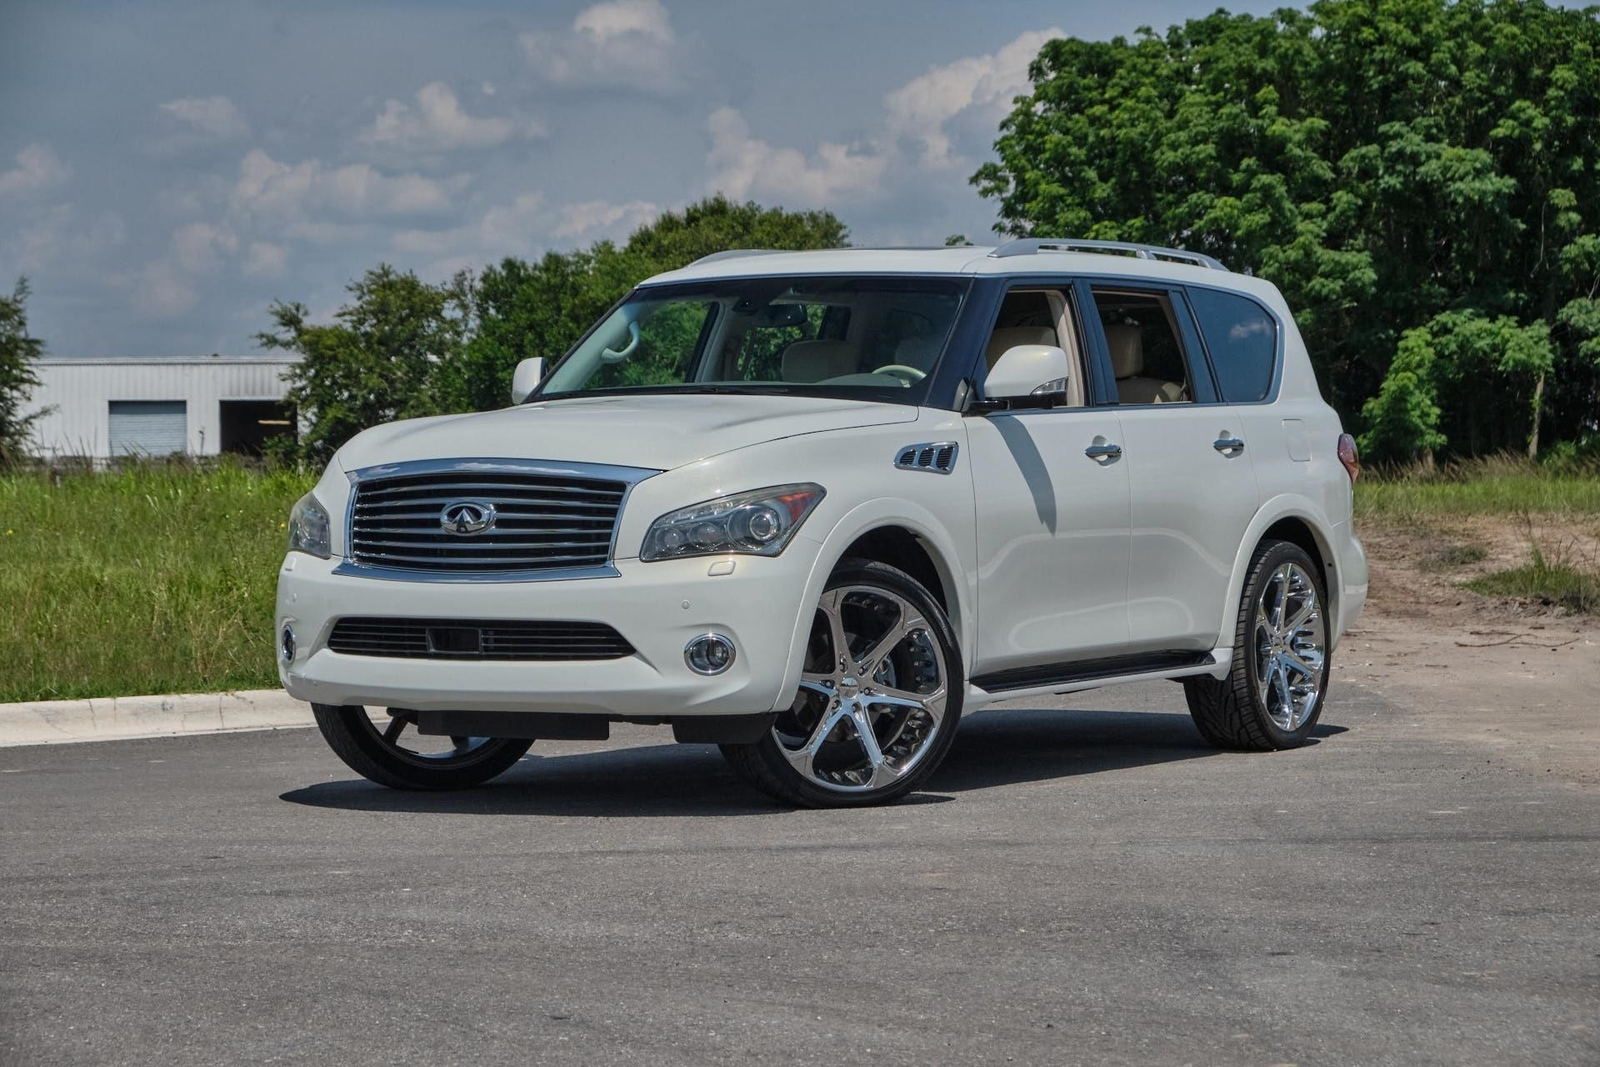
pixel 386 748
pixel 879 699
pixel 1274 690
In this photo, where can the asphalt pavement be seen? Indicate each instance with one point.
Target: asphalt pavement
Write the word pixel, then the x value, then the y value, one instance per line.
pixel 1090 886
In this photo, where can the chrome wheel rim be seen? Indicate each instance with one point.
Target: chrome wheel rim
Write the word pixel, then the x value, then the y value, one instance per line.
pixel 396 730
pixel 872 696
pixel 1291 646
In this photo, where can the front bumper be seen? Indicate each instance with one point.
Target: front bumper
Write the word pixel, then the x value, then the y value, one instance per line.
pixel 657 607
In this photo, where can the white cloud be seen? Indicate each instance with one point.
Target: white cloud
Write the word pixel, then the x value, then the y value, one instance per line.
pixel 618 18
pixel 620 42
pixel 213 116
pixel 157 290
pixel 437 123
pixel 269 189
pixel 198 247
pixel 920 108
pixel 743 165
pixel 58 238
pixel 613 220
pixel 37 167
pixel 264 259
pixel 505 229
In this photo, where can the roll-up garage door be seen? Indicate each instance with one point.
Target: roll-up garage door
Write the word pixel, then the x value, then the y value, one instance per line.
pixel 149 427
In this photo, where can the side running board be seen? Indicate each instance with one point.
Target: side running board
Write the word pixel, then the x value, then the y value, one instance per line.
pixel 1090 670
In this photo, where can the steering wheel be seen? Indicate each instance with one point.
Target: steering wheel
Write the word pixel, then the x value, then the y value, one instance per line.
pixel 909 375
pixel 611 355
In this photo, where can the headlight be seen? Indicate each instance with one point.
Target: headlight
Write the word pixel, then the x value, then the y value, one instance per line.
pixel 758 523
pixel 309 528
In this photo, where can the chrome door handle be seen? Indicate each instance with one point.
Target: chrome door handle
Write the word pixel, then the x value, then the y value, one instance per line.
pixel 1228 445
pixel 1103 451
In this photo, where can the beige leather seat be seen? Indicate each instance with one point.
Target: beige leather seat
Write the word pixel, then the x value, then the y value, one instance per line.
pixel 1007 337
pixel 812 361
pixel 1127 364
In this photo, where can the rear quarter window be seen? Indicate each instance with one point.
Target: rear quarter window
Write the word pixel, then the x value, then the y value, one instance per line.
pixel 1242 339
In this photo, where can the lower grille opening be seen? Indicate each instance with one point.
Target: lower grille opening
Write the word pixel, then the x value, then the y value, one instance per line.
pixel 477 639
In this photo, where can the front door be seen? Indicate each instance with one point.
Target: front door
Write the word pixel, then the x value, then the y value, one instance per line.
pixel 1052 508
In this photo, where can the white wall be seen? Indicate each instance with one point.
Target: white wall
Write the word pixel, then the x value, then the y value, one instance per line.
pixel 81 391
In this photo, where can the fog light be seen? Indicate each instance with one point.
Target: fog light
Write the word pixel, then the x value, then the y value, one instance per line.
pixel 709 654
pixel 286 645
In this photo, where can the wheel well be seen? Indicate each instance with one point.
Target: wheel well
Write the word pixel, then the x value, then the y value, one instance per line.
pixel 902 549
pixel 1298 532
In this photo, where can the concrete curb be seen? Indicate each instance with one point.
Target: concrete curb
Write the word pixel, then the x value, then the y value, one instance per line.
pixel 54 722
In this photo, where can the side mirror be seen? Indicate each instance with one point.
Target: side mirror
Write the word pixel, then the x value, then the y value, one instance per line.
pixel 528 375
pixel 1027 369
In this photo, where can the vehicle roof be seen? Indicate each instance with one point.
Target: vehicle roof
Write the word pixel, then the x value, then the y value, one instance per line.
pixel 962 260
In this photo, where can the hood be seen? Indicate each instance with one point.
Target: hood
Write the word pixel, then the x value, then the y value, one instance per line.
pixel 658 431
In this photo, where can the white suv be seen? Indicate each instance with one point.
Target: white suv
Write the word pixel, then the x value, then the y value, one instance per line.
pixel 813 506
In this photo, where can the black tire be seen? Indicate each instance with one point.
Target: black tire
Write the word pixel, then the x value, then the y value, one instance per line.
pixel 1229 712
pixel 351 735
pixel 763 763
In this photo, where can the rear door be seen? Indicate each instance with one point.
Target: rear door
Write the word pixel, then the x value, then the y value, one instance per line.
pixel 1191 488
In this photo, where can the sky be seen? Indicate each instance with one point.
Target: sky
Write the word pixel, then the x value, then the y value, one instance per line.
pixel 167 170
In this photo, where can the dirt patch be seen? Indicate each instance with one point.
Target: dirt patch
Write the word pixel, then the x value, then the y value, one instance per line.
pixel 1520 676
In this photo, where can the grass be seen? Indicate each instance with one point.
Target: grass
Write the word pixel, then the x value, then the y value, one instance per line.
pixel 1558 582
pixel 154 579
pixel 1451 557
pixel 1496 485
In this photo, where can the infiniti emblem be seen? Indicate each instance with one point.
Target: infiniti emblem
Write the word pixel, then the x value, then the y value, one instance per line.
pixel 467 517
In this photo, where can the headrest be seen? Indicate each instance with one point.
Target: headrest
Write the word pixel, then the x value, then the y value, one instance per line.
pixel 812 361
pixel 1011 336
pixel 1127 350
pixel 918 352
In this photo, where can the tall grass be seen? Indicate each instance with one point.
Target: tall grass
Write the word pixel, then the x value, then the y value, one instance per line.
pixel 1494 485
pixel 153 579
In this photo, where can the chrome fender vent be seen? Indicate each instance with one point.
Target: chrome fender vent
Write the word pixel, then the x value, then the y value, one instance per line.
pixel 936 458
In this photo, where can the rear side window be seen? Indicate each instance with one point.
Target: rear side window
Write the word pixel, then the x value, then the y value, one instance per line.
pixel 1242 339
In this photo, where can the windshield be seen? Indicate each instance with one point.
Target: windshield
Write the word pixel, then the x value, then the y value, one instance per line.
pixel 863 338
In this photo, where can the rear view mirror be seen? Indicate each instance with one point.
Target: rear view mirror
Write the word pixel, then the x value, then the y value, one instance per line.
pixel 1027 370
pixel 526 378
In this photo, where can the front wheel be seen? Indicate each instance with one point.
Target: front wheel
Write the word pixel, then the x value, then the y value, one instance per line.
pixel 879 699
pixel 1276 686
pixel 383 751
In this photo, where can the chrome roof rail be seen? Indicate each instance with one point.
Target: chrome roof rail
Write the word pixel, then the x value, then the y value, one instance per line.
pixel 1027 246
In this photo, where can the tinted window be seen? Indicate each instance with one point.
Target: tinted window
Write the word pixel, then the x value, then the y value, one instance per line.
pixel 1242 339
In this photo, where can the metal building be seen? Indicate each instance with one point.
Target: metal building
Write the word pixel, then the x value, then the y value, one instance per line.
pixel 105 408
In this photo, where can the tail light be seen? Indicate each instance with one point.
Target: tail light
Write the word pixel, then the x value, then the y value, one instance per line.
pixel 1349 456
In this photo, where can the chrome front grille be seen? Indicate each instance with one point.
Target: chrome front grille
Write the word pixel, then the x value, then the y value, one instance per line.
pixel 477 639
pixel 516 520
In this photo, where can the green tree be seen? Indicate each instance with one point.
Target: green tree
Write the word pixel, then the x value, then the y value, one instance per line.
pixel 377 361
pixel 1385 162
pixel 18 353
pixel 521 309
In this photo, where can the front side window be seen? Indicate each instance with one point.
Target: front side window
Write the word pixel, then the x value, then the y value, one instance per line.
pixel 861 338
pixel 1147 356
pixel 1243 341
pixel 1039 317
